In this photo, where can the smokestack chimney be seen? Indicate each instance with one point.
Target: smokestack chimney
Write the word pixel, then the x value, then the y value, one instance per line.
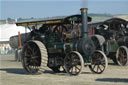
pixel 84 29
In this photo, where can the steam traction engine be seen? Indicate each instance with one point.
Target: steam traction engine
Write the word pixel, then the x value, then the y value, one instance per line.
pixel 61 42
pixel 111 36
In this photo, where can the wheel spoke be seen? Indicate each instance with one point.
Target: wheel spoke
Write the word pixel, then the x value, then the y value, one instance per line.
pixel 29 51
pixel 71 69
pixel 103 65
pixel 94 66
pixel 26 55
pixel 99 68
pixel 29 47
pixel 77 68
pixel 35 52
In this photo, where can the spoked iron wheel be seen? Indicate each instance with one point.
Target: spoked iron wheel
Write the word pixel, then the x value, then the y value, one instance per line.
pixel 34 57
pixel 98 62
pixel 122 56
pixel 73 63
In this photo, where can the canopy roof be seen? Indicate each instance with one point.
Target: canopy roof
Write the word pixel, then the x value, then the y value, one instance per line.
pixel 53 20
pixel 116 20
pixel 108 21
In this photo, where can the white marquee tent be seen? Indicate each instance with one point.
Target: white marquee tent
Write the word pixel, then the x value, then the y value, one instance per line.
pixel 8 30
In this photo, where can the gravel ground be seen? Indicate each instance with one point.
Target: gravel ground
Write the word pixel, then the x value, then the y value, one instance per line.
pixel 12 73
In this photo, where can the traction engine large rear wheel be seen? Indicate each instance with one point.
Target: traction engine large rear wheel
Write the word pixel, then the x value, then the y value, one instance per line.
pixel 34 57
pixel 122 56
pixel 73 63
pixel 98 62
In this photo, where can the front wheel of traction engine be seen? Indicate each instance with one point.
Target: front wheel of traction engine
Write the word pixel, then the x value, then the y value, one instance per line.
pixel 73 63
pixel 122 56
pixel 34 57
pixel 98 62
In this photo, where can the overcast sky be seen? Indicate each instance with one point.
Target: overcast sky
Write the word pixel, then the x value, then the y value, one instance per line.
pixel 49 8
